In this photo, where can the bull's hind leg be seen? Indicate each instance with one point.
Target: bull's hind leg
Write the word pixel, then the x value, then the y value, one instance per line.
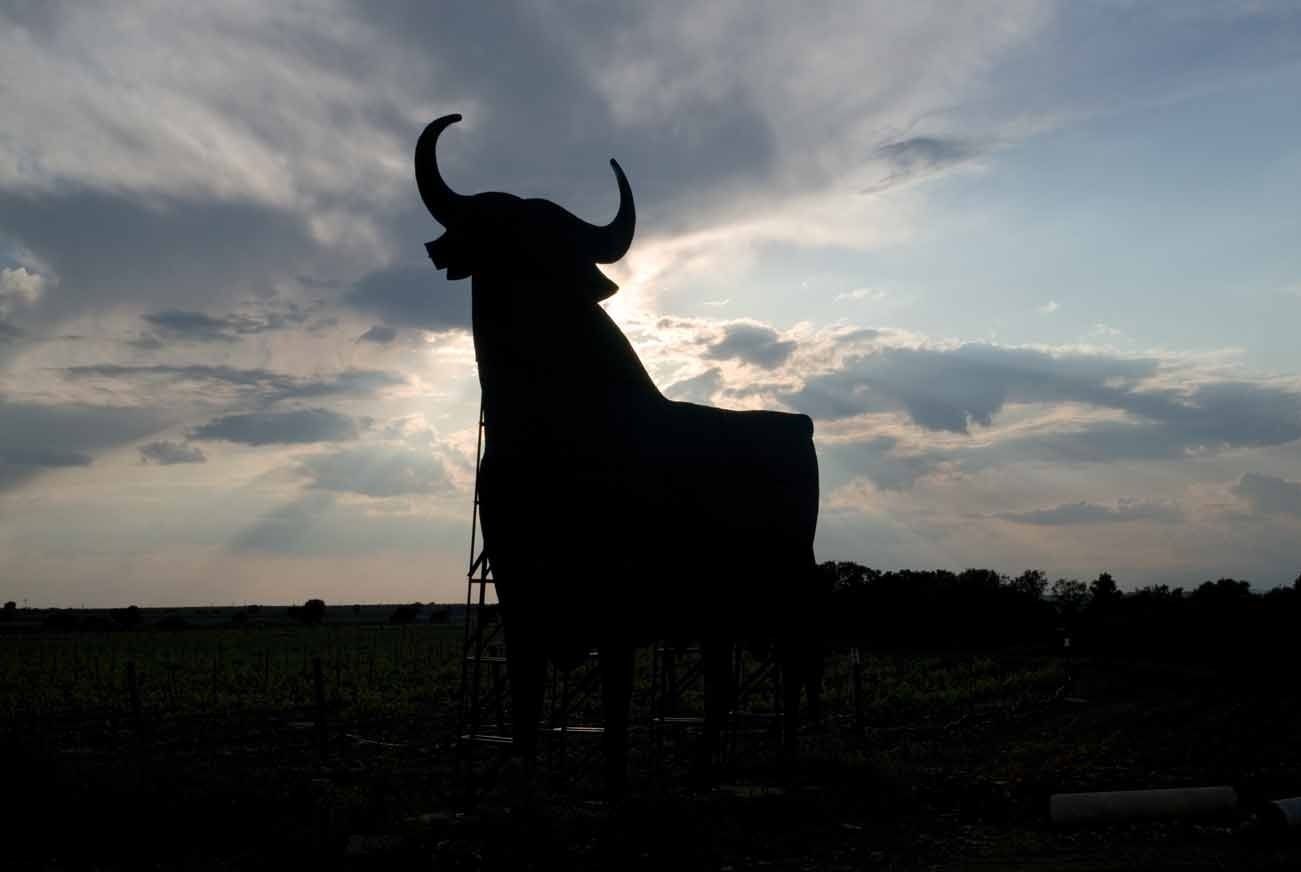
pixel 813 664
pixel 717 659
pixel 616 697
pixel 790 657
pixel 526 666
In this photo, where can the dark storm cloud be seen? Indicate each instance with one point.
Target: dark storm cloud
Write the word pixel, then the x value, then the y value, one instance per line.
pixel 28 456
pixel 147 343
pixel 168 453
pixel 753 344
pixel 1095 513
pixel 298 426
pixel 1100 442
pixel 878 461
pixel 548 129
pixel 190 325
pixel 950 389
pixel 109 248
pixel 412 297
pixel 379 334
pixel 1168 425
pixel 1194 426
pixel 697 389
pixel 538 123
pixel 1226 413
pixel 35 437
pixel 1269 495
pixel 184 325
pixel 261 384
pixel 919 156
pixel 379 471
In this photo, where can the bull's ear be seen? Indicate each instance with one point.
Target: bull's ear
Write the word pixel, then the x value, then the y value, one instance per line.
pixel 443 249
pixel 452 251
pixel 593 284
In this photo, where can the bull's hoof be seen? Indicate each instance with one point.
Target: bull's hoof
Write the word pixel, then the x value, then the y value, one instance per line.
pixel 515 785
pixel 703 775
pixel 616 780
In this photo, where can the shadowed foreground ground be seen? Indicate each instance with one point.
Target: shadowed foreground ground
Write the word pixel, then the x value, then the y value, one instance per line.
pixel 960 756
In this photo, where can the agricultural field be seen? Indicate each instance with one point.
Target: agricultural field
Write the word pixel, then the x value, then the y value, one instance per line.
pixel 276 745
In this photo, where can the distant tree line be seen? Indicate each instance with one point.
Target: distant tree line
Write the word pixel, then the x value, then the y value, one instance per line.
pixel 313 612
pixel 939 609
pixel 980 608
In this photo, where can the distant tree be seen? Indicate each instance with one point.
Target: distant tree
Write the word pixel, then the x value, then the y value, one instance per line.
pixel 1070 592
pixel 1031 583
pixel 985 580
pixel 851 576
pixel 1223 591
pixel 1296 585
pixel 1103 589
pixel 10 611
pixel 356 611
pixel 312 611
pixel 1160 592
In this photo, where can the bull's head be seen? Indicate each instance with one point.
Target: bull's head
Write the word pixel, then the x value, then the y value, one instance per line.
pixel 501 236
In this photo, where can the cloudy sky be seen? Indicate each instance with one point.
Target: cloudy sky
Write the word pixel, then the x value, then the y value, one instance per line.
pixel 1032 267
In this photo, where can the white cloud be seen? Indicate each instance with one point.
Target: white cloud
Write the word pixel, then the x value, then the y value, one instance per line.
pixel 1106 331
pixel 1048 308
pixel 875 294
pixel 19 287
pixel 379 471
pixel 206 100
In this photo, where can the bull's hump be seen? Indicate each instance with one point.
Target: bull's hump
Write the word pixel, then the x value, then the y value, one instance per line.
pixel 784 425
pixel 797 424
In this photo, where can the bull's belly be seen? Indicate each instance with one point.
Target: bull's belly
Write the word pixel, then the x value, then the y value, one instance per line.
pixel 739 495
pixel 667 539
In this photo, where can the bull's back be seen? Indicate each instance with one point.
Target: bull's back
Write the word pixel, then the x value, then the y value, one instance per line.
pixel 751 471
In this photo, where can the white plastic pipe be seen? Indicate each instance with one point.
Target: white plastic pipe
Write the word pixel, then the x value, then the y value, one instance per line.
pixel 1289 812
pixel 1127 805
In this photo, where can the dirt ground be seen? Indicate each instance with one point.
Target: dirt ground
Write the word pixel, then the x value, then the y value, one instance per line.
pixel 962 783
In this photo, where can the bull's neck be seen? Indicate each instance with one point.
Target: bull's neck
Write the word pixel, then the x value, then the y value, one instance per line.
pixel 544 354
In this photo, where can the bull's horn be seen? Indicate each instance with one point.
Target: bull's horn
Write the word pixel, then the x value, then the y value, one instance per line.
pixel 609 243
pixel 442 202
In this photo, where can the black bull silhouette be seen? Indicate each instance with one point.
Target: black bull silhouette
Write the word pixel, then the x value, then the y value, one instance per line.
pixel 611 515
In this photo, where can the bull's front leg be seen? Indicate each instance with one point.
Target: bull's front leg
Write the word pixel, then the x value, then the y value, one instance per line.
pixel 791 657
pixel 717 657
pixel 616 697
pixel 526 666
